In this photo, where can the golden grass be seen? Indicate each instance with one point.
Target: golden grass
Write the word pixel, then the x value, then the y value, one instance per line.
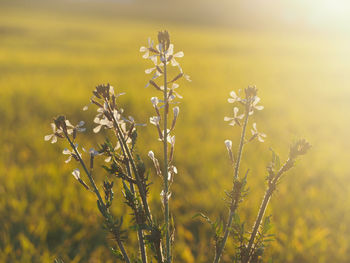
pixel 50 62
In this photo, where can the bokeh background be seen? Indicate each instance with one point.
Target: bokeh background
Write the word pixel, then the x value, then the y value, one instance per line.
pixel 297 52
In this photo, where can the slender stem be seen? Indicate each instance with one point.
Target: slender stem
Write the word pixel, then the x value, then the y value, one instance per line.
pixel 234 203
pixel 264 204
pixel 86 171
pixel 257 223
pixel 120 243
pixel 125 255
pixel 139 231
pixel 137 177
pixel 165 175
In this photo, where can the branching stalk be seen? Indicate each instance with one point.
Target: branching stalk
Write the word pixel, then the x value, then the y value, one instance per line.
pixel 133 165
pixel 165 174
pixel 91 179
pixel 257 223
pixel 234 203
pixel 92 182
pixel 139 230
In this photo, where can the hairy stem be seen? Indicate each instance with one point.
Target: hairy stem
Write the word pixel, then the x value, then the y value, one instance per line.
pixel 139 230
pixel 234 203
pixel 125 255
pixel 272 186
pixel 165 175
pixel 93 184
pixel 133 165
pixel 257 223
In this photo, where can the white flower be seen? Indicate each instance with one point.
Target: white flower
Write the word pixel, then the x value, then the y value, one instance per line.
pixel 155 101
pixel 55 133
pixel 261 136
pixel 66 151
pixel 77 128
pixel 235 119
pixel 175 86
pixel 255 106
pixel 102 123
pixel 154 120
pixel 171 56
pixel 93 152
pixel 71 154
pixel 228 144
pixel 76 174
pixel 171 139
pixel 234 97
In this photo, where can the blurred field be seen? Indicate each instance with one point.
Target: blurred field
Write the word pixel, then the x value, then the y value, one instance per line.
pixel 51 59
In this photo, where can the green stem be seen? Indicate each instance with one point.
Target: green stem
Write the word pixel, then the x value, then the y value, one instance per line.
pixel 92 182
pixel 137 177
pixel 261 213
pixel 139 230
pixel 165 175
pixel 120 244
pixel 234 203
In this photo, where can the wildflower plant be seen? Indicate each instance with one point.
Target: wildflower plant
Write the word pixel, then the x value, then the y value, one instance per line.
pixel 123 163
pixel 249 245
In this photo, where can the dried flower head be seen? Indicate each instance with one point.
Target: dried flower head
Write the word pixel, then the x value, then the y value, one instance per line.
pixel 60 123
pixel 300 147
pixel 250 92
pixel 164 40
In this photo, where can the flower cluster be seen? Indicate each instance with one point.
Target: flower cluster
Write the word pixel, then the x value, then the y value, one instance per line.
pixel 63 128
pixel 162 55
pixel 110 116
pixel 250 104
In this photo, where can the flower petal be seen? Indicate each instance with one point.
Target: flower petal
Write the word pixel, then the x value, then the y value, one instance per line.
pixel 76 174
pixel 179 54
pixel 97 129
pixel 48 137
